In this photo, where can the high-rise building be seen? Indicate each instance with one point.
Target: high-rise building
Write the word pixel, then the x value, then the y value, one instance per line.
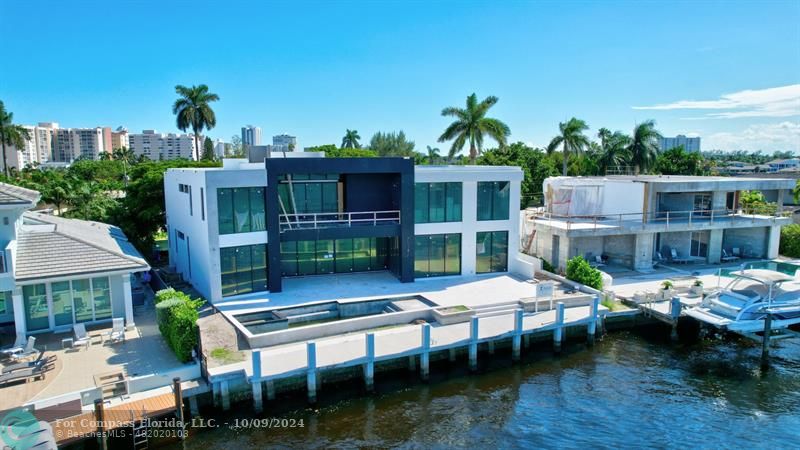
pixel 251 135
pixel 284 143
pixel 219 148
pixel 690 144
pixel 37 149
pixel 119 139
pixel 158 146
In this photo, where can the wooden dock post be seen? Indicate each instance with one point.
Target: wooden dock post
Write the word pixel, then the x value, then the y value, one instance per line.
pixel 473 343
pixel 591 328
pixel 424 357
pixel 178 391
pixel 675 314
pixel 270 390
pixel 765 342
pixel 516 341
pixel 558 332
pixel 226 395
pixel 258 398
pixel 100 417
pixel 369 366
pixel 311 374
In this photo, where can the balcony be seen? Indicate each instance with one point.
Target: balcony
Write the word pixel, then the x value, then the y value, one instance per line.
pixel 337 220
pixel 661 220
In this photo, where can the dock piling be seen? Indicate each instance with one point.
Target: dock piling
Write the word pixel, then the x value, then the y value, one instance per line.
pixel 516 340
pixel 369 366
pixel 424 357
pixel 258 398
pixel 311 374
pixel 591 328
pixel 675 314
pixel 558 332
pixel 765 342
pixel 178 391
pixel 226 395
pixel 100 416
pixel 473 343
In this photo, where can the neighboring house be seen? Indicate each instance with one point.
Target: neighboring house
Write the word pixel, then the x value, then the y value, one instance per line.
pixel 56 272
pixel 236 232
pixel 778 165
pixel 630 220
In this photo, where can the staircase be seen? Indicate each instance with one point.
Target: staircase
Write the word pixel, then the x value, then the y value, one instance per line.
pixel 139 431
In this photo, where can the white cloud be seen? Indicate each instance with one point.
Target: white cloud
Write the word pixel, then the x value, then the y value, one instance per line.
pixel 783 101
pixel 767 137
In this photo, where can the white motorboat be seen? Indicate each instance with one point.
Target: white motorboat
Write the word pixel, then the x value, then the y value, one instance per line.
pixel 745 302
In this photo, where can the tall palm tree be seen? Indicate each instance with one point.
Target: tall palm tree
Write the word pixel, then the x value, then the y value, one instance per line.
pixel 472 125
pixel 643 146
pixel 192 109
pixel 10 134
pixel 433 154
pixel 613 151
pixel 350 139
pixel 571 139
pixel 604 134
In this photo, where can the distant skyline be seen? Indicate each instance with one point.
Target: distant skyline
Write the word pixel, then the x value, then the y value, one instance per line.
pixel 728 72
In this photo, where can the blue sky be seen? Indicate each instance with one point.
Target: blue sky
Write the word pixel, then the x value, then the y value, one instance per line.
pixel 313 69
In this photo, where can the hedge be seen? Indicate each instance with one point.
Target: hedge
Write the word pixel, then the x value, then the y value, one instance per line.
pixel 579 270
pixel 790 241
pixel 177 316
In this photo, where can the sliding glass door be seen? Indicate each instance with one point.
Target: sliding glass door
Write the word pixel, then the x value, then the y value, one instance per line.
pixel 36 312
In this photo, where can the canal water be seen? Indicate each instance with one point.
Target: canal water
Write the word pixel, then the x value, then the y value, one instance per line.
pixel 632 389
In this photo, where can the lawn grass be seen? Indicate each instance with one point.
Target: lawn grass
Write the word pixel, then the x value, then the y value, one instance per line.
pixel 226 356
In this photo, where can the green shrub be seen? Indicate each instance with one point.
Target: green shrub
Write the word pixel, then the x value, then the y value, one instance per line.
pixel 547 266
pixel 177 316
pixel 790 241
pixel 579 270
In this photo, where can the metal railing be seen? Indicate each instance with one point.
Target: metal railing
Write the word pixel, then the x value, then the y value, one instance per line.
pixel 666 218
pixel 337 219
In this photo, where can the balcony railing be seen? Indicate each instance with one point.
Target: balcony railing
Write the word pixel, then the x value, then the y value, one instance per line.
pixel 337 219
pixel 665 218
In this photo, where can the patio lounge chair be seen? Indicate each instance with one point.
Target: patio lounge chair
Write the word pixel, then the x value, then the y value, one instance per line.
pixel 728 258
pixel 117 332
pixel 676 258
pixel 18 346
pixel 24 374
pixel 39 361
pixel 28 350
pixel 81 336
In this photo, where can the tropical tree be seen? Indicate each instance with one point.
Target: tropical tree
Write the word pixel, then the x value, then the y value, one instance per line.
pixel 10 134
pixel 613 150
pixel 571 139
pixel 192 110
pixel 433 155
pixel 643 146
pixel 208 149
pixel 472 125
pixel 391 144
pixel 350 139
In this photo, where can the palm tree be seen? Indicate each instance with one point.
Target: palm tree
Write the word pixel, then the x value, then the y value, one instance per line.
pixel 350 139
pixel 604 134
pixel 433 155
pixel 472 125
pixel 613 151
pixel 10 134
pixel 192 109
pixel 571 139
pixel 643 146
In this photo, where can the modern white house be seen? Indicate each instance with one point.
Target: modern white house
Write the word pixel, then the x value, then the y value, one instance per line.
pixel 236 231
pixel 632 221
pixel 55 272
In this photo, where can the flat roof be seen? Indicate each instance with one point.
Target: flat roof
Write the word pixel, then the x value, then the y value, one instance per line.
pixel 672 178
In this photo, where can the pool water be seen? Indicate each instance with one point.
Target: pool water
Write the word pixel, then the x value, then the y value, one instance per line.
pixel 780 266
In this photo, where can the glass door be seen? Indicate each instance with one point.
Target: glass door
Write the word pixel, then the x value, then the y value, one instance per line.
pixel 699 247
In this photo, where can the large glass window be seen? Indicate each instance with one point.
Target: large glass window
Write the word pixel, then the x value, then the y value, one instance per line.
pixel 101 292
pixel 36 313
pixel 437 255
pixel 437 202
pixel 82 299
pixel 326 256
pixel 62 303
pixel 491 252
pixel 309 193
pixel 243 269
pixel 241 210
pixel 493 200
pixel 5 300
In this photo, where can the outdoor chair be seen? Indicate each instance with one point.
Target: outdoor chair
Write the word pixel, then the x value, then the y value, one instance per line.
pixel 727 257
pixel 117 333
pixel 24 374
pixel 18 346
pixel 81 336
pixel 676 258
pixel 735 251
pixel 598 261
pixel 27 351
pixel 40 360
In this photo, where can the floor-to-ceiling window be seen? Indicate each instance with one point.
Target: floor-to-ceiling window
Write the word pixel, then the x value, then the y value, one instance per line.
pixel 699 244
pixel 437 202
pixel 326 256
pixel 241 210
pixel 101 293
pixel 37 314
pixel 82 300
pixel 243 269
pixel 491 252
pixel 493 200
pixel 62 303
pixel 309 193
pixel 437 255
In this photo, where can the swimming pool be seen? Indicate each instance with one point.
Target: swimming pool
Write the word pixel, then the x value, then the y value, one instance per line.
pixel 780 266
